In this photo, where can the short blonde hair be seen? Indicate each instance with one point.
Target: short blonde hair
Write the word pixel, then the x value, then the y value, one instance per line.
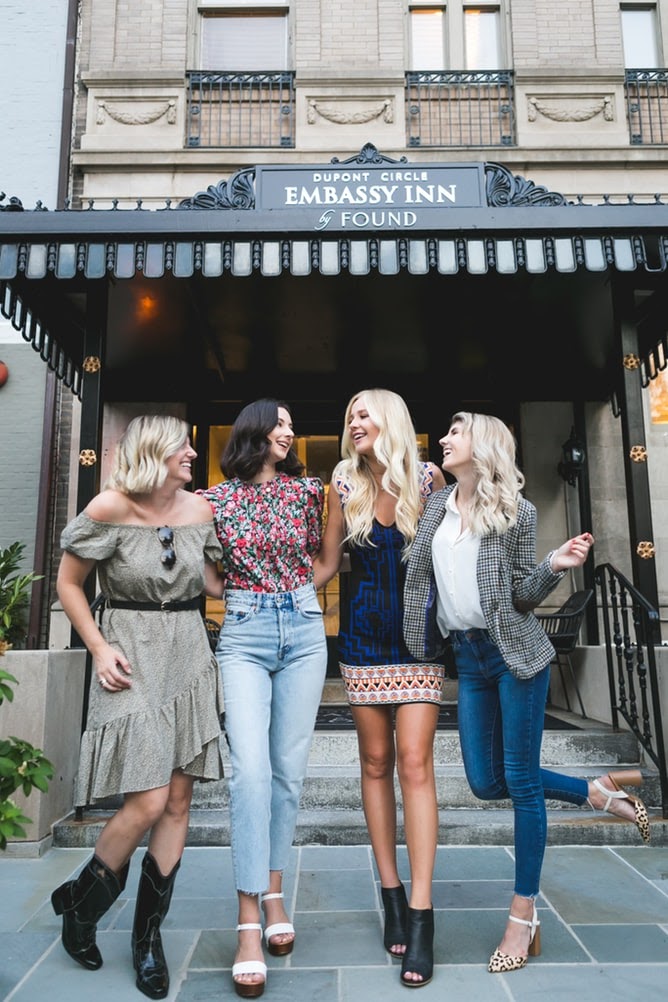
pixel 141 454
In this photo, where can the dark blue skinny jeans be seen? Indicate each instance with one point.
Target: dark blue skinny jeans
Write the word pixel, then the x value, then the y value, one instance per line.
pixel 501 721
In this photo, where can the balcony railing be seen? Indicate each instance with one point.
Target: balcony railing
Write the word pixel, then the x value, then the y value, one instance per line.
pixel 647 106
pixel 240 109
pixel 460 108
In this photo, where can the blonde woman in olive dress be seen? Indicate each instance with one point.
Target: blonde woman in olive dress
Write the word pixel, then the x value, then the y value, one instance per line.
pixel 154 712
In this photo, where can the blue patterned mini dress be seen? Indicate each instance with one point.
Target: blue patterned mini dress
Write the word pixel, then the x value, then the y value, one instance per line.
pixel 376 666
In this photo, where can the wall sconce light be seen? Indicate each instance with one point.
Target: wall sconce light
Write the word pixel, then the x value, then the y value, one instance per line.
pixel 573 459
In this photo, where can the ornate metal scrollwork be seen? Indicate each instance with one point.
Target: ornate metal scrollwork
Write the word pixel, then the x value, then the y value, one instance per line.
pixel 13 205
pixel 504 188
pixel 369 155
pixel 237 193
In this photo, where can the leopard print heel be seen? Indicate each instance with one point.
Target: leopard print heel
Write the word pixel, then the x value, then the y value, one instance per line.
pixel 641 817
pixel 503 963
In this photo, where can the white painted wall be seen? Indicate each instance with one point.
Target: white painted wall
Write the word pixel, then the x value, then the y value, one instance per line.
pixel 32 61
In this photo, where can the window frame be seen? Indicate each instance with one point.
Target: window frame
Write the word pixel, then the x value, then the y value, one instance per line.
pixel 202 9
pixel 654 8
pixel 454 49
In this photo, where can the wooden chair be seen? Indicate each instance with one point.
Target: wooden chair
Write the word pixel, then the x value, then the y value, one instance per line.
pixel 563 628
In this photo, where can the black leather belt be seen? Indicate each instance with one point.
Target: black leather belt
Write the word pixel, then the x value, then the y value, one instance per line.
pixel 191 603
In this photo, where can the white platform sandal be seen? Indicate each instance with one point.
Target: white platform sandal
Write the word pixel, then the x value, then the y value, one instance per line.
pixel 252 989
pixel 277 929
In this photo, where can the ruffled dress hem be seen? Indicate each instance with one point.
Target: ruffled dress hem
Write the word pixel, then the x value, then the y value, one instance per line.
pixel 140 750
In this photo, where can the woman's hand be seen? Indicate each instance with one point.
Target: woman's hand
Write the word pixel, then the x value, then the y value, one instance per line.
pixel 112 669
pixel 572 553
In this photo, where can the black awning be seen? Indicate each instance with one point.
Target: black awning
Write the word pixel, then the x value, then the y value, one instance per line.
pixel 498 225
pixel 387 254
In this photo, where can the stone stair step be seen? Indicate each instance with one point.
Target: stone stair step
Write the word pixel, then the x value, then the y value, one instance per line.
pixel 576 826
pixel 332 786
pixel 331 812
pixel 597 747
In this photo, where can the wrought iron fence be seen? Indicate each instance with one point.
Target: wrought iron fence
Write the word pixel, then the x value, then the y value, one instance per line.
pixel 230 110
pixel 646 94
pixel 631 628
pixel 460 108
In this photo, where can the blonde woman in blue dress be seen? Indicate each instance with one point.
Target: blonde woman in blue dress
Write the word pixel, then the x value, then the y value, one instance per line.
pixel 375 498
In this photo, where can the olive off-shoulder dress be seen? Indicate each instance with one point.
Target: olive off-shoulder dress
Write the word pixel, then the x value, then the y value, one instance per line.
pixel 170 717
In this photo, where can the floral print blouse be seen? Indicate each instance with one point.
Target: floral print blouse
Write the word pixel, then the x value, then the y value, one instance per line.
pixel 270 532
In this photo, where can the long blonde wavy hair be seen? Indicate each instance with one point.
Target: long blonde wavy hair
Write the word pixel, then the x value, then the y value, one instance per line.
pixel 499 480
pixel 396 450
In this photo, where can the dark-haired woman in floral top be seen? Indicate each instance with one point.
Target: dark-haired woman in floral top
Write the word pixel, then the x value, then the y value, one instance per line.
pixel 272 654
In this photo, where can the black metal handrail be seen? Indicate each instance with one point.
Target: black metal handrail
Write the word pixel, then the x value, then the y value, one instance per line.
pixel 631 625
pixel 233 110
pixel 646 93
pixel 460 108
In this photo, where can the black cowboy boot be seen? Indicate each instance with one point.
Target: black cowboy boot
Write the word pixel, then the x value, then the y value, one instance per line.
pixel 82 903
pixel 153 899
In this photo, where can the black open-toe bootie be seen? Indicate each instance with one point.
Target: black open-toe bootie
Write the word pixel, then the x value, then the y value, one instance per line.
pixel 419 955
pixel 395 904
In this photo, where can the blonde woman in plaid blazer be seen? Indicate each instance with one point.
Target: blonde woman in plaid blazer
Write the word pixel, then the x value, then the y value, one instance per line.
pixel 472 576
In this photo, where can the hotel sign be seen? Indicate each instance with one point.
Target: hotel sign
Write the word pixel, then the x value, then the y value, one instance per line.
pixel 352 196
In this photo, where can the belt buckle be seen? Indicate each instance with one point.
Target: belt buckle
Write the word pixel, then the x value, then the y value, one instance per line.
pixel 165 606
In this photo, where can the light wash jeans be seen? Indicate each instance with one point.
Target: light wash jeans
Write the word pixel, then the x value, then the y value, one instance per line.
pixel 272 654
pixel 501 721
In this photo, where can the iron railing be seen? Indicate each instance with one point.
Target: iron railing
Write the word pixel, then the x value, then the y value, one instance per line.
pixel 460 108
pixel 646 94
pixel 631 628
pixel 231 110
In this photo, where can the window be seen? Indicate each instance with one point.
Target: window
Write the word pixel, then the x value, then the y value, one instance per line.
pixel 456 36
pixel 640 36
pixel 482 38
pixel 244 40
pixel 427 41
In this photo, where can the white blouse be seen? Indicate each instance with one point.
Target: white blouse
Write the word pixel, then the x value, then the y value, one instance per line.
pixel 455 559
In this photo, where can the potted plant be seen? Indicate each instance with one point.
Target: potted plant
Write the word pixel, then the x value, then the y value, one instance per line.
pixel 21 765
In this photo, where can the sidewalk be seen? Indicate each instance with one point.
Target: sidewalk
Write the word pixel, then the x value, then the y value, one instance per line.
pixel 603 911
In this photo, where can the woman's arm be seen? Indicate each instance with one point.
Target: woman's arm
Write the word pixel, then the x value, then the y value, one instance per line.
pixel 328 561
pixel 110 664
pixel 214 582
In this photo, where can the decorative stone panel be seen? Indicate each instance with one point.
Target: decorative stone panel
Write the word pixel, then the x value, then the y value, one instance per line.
pixel 121 116
pixel 340 116
pixel 571 114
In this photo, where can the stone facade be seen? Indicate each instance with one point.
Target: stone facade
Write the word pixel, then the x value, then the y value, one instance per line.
pixel 350 61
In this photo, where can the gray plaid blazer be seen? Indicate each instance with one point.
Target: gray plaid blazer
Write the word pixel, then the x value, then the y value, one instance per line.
pixel 508 579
